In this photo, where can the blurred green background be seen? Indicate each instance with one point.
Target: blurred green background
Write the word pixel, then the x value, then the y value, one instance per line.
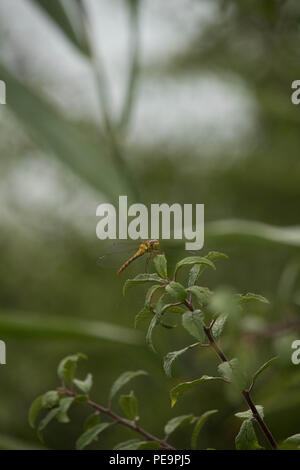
pixel 178 101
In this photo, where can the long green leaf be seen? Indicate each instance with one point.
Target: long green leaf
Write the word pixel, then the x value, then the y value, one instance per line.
pixel 70 144
pixel 248 231
pixel 56 12
pixel 24 325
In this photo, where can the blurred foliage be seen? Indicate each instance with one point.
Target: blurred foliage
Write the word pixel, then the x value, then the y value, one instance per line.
pixel 48 266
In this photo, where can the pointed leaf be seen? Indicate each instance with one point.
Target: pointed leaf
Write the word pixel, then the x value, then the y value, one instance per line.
pixel 172 356
pixel 160 264
pixel 199 424
pixel 137 444
pixel 129 405
pixel 34 410
pixel 84 385
pixel 219 324
pixel 193 323
pixel 142 279
pixel 50 399
pixel 202 294
pixel 233 372
pixel 176 291
pixel 151 291
pixel 161 308
pixel 177 422
pixel 123 380
pixel 246 438
pixel 250 297
pixel 92 420
pixel 91 435
pixel 67 367
pixel 183 387
pixel 190 260
pixel 248 413
pixel 64 406
pixel 291 443
pixel 263 367
pixel 143 314
pixel 45 421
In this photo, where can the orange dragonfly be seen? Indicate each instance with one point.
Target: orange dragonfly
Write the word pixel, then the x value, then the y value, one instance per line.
pixel 146 247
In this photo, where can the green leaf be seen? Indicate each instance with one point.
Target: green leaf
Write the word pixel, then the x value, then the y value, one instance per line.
pixel 142 279
pixel 249 297
pixel 67 367
pixel 123 380
pixel 177 422
pixel 183 387
pixel 34 410
pixel 50 399
pixel 202 294
pixel 92 420
pixel 193 323
pixel 199 424
pixel 84 385
pixel 129 405
pixel 219 324
pixel 154 322
pixel 151 291
pixel 246 438
pixel 160 264
pixel 64 406
pixel 172 356
pixel 176 291
pixel 143 314
pixel 45 421
pixel 79 150
pixel 197 270
pixel 291 443
pixel 131 444
pixel 190 260
pixel 63 328
pixel 215 255
pixel 263 367
pixel 91 435
pixel 252 232
pixel 148 445
pixel 58 15
pixel 248 413
pixel 137 444
pixel 233 372
pixel 161 308
pixel 193 275
pixel 175 309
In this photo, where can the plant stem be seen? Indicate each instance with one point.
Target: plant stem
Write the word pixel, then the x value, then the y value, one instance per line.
pixel 118 419
pixel 245 393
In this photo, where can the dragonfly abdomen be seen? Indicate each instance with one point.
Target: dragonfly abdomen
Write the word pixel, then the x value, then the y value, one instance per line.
pixel 130 260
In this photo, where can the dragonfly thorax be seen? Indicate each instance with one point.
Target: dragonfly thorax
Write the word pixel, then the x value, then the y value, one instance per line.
pixel 150 246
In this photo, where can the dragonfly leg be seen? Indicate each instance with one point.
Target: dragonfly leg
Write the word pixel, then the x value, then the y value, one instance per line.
pixel 148 262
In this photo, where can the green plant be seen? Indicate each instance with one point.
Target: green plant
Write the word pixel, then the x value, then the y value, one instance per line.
pixel 72 390
pixel 203 314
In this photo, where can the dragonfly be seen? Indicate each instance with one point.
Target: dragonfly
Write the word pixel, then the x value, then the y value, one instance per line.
pixel 134 250
pixel 148 248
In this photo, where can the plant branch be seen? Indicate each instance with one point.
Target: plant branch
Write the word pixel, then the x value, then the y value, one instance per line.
pixel 119 420
pixel 245 393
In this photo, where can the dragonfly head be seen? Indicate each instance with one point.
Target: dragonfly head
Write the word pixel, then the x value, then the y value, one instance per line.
pixel 154 245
